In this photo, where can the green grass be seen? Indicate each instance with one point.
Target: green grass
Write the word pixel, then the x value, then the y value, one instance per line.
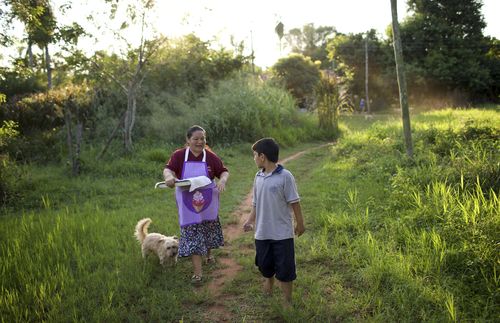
pixel 388 238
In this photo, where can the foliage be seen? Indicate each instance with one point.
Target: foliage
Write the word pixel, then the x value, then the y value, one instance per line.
pixel 188 64
pixel 20 80
pixel 311 41
pixel 299 75
pixel 40 118
pixel 34 113
pixel 444 46
pixel 348 55
pixel 41 29
pixel 245 110
pixel 411 239
pixel 9 171
pixel 387 239
pixel 331 100
pixel 38 18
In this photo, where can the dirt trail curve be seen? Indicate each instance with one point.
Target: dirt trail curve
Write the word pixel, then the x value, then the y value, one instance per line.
pixel 230 267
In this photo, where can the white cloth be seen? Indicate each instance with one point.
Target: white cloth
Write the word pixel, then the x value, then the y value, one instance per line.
pixel 198 181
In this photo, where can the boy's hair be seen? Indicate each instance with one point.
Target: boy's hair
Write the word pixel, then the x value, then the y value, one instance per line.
pixel 269 147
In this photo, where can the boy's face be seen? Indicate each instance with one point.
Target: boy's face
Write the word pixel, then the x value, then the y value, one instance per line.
pixel 259 159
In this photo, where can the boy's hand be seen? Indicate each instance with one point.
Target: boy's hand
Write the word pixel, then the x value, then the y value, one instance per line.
pixel 248 226
pixel 299 229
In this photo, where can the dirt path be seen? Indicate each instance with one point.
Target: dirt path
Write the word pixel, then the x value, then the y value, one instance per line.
pixel 230 268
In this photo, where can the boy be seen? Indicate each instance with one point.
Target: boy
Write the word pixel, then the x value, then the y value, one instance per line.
pixel 274 194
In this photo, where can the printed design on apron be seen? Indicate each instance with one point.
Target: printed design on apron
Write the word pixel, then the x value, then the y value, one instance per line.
pixel 203 203
pixel 198 200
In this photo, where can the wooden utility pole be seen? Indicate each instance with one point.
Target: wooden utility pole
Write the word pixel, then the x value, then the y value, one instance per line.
pixel 366 75
pixel 253 53
pixel 400 70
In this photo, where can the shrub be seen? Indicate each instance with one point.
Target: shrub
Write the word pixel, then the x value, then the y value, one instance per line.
pixel 8 168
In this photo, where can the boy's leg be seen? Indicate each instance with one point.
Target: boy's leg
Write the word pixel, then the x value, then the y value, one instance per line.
pixel 287 288
pixel 284 252
pixel 268 285
pixel 264 260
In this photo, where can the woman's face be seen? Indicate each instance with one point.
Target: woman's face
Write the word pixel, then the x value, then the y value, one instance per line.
pixel 197 142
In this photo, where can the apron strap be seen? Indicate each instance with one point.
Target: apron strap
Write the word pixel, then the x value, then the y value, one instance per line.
pixel 186 155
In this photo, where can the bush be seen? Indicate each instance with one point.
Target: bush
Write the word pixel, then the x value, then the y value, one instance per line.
pixel 241 109
pixel 8 169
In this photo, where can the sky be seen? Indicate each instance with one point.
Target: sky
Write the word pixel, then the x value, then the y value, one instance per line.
pixel 254 22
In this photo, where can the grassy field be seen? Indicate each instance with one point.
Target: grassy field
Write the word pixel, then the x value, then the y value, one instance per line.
pixel 388 238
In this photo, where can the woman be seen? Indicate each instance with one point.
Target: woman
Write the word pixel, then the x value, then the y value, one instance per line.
pixel 198 210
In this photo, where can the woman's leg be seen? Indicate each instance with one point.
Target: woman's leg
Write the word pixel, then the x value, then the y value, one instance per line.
pixel 197 260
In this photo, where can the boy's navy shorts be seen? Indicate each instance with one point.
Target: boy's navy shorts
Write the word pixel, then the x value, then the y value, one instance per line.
pixel 276 258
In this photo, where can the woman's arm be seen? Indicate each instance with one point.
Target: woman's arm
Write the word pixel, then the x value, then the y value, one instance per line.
pixel 221 184
pixel 169 177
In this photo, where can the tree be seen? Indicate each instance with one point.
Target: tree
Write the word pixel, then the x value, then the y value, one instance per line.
pixel 130 69
pixel 76 102
pixel 445 48
pixel 40 25
pixel 280 29
pixel 41 29
pixel 331 99
pixel 299 75
pixel 403 96
pixel 347 52
pixel 311 41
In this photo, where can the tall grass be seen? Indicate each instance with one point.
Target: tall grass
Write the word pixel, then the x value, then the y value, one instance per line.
pixel 242 109
pixel 388 239
pixel 67 248
pixel 415 240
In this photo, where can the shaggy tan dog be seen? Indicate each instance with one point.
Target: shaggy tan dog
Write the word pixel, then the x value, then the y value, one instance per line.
pixel 166 248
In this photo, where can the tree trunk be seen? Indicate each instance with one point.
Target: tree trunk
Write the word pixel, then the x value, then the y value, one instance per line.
pixel 130 114
pixel 403 95
pixel 112 136
pixel 76 157
pixel 366 76
pixel 29 52
pixel 129 119
pixel 69 134
pixel 49 69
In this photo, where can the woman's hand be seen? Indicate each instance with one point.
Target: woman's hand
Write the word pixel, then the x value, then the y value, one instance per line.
pixel 169 177
pixel 170 182
pixel 221 184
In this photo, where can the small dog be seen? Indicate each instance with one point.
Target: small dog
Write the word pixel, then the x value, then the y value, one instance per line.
pixel 166 248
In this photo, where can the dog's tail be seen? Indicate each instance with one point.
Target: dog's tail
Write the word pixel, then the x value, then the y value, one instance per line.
pixel 141 229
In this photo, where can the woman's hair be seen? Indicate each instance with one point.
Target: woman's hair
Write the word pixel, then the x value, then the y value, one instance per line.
pixel 193 129
pixel 269 147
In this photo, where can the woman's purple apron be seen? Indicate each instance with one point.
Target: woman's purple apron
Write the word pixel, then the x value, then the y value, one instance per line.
pixel 203 203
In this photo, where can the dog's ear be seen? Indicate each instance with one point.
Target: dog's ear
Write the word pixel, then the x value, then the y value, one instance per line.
pixel 161 240
pixel 175 237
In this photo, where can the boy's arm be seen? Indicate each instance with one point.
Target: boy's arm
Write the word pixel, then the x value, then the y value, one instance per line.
pixel 299 219
pixel 248 225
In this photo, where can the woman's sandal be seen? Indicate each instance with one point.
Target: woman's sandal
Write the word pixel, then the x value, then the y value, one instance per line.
pixel 196 280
